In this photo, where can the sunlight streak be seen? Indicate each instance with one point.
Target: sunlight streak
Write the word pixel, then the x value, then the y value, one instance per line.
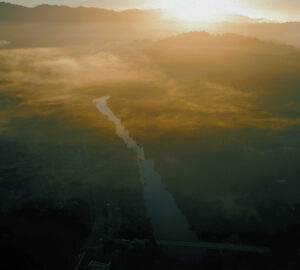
pixel 199 10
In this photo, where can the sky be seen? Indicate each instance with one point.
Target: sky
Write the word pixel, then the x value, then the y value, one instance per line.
pixel 272 9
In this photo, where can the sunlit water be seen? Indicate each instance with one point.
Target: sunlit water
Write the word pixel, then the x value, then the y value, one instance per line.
pixel 168 223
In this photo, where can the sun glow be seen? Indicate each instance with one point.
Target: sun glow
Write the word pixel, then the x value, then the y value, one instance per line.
pixel 200 10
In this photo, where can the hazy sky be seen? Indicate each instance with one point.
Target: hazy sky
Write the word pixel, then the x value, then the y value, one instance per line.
pixel 275 9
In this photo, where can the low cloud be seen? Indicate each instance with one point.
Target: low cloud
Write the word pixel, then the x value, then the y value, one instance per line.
pixel 60 65
pixel 4 43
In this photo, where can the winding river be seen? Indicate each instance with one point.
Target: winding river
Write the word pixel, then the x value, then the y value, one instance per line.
pixel 168 222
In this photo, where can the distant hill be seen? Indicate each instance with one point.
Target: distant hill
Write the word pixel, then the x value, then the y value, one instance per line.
pixel 231 43
pixel 288 32
pixel 239 18
pixel 142 24
pixel 11 12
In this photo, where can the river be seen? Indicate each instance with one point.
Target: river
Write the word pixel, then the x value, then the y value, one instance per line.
pixel 168 222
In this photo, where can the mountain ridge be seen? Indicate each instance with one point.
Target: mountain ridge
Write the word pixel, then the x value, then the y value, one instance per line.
pixel 12 12
pixel 46 12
